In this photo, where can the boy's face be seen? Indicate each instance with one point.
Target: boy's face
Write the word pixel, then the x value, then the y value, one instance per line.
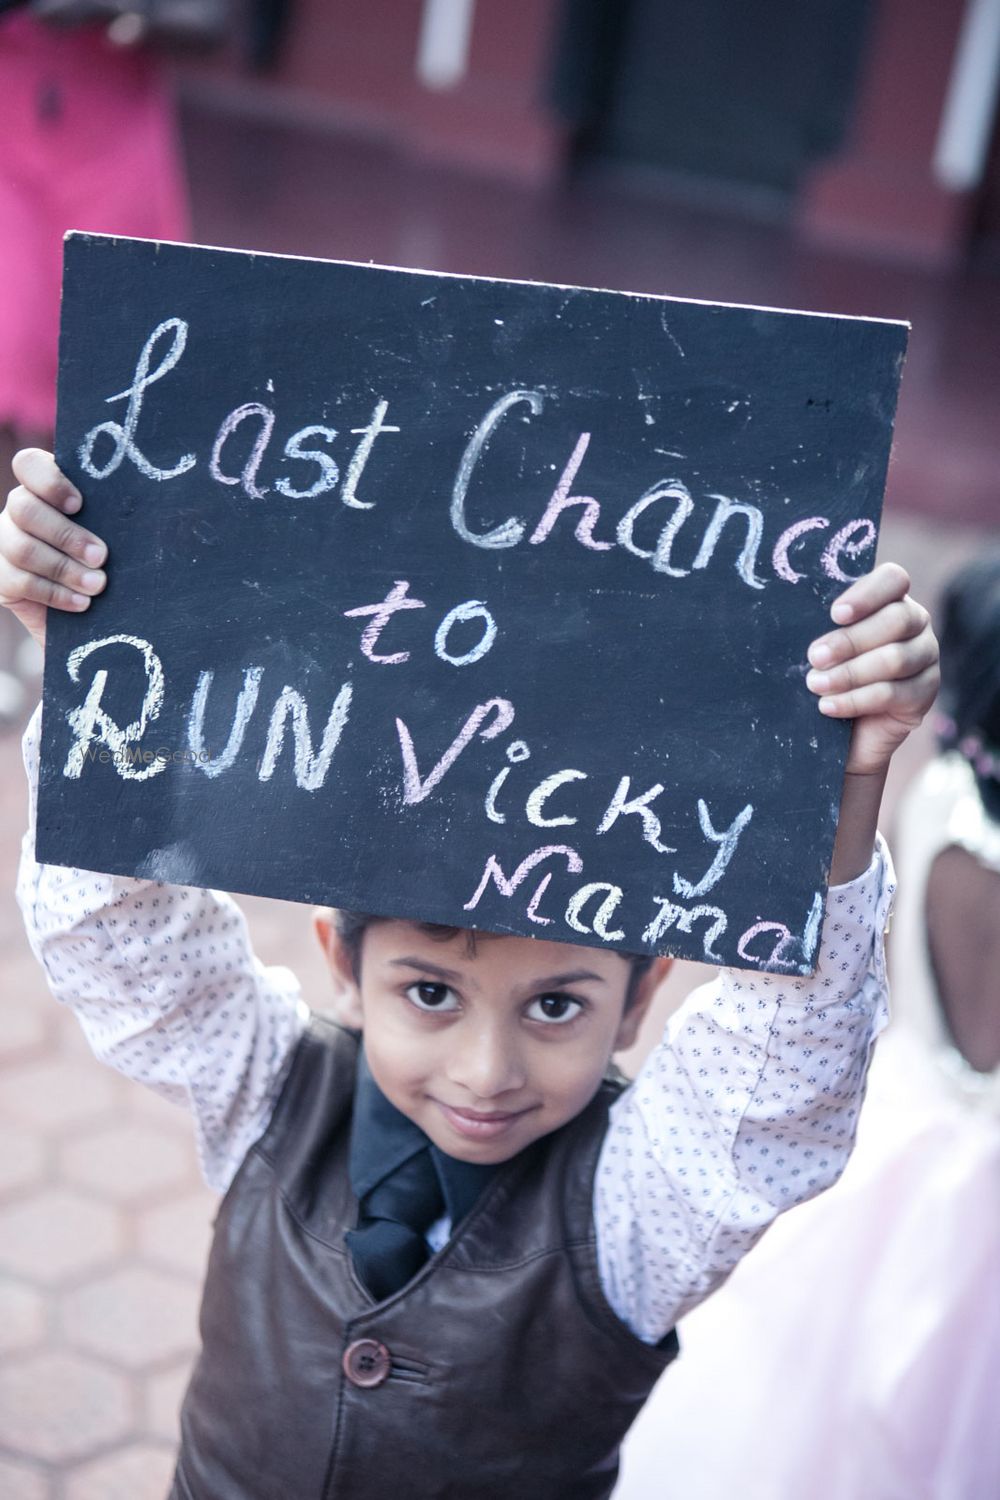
pixel 487 1047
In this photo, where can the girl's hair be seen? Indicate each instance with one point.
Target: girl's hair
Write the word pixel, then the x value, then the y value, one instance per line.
pixel 351 926
pixel 970 672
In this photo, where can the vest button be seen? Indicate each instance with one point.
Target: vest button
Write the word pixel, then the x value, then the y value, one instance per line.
pixel 366 1363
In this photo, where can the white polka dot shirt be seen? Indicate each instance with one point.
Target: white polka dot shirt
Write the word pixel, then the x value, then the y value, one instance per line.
pixel 747 1106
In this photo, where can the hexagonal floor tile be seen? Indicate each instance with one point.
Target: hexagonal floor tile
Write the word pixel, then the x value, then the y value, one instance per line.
pixel 146 1104
pixel 25 1027
pixel 22 972
pixel 142 1471
pixel 18 1482
pixel 68 1035
pixel 178 1234
pixel 55 1234
pixel 163 1396
pixel 134 1317
pixel 22 1318
pixel 22 1157
pixel 57 1093
pixel 61 1407
pixel 126 1162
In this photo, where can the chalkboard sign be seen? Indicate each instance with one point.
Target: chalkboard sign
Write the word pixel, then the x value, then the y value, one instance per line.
pixel 476 602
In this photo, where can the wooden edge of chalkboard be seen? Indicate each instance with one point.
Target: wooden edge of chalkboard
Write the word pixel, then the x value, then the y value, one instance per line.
pixel 559 286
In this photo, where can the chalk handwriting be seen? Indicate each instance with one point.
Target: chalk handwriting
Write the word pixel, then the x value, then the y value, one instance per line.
pixel 329 473
pixel 397 598
pixel 516 751
pixel 310 769
pixel 791 534
pixel 248 477
pixel 842 545
pixel 508 885
pixel 621 804
pixel 123 435
pixel 417 790
pixel 543 791
pixel 214 765
pixel 667 489
pixel 91 725
pixel 726 840
pixel 510 532
pixel 674 533
pixel 780 954
pixel 563 500
pixel 361 455
pixel 613 895
pixel 472 609
pixel 684 918
pixel 765 944
pixel 309 444
pixel 724 512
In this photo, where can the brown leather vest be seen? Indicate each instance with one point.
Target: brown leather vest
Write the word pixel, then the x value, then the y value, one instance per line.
pixel 498 1373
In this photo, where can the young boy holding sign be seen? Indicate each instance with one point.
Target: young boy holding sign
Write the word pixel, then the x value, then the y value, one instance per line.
pixel 450 1262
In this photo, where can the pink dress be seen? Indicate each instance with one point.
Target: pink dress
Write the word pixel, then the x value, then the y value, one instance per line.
pixel 855 1353
pixel 87 141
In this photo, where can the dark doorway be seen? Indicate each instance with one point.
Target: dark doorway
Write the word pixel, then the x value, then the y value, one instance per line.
pixel 726 90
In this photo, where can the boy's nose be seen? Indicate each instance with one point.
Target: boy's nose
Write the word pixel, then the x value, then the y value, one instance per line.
pixel 486 1064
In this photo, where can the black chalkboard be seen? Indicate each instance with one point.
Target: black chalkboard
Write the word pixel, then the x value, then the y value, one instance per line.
pixel 478 602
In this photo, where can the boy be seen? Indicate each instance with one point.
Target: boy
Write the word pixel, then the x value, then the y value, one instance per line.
pixel 449 1262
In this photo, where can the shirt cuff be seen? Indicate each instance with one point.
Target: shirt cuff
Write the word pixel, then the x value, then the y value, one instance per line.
pixel 851 955
pixel 863 903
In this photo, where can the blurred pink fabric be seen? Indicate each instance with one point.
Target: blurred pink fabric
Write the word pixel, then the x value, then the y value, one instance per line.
pixel 855 1353
pixel 87 141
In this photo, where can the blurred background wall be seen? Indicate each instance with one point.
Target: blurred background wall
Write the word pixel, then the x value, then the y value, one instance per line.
pixel 866 123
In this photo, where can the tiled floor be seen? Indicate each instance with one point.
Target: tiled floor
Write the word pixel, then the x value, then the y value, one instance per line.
pixel 103 1222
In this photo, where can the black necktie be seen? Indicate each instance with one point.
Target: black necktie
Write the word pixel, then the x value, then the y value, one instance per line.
pixel 403 1184
pixel 389 1245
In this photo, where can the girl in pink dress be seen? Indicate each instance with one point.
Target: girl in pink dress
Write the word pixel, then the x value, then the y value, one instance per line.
pixel 87 141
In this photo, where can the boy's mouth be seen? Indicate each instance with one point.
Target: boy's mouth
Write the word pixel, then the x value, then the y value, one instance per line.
pixel 480 1125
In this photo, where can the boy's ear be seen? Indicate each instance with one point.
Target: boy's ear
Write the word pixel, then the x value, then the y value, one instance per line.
pixel 346 1006
pixel 633 1018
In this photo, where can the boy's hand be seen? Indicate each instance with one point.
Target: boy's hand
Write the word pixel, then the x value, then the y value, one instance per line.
pixel 880 668
pixel 46 560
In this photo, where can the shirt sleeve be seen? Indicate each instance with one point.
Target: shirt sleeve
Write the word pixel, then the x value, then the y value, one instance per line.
pixel 166 987
pixel 748 1106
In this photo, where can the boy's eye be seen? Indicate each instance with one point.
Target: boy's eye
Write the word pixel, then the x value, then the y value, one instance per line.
pixel 554 1009
pixel 426 995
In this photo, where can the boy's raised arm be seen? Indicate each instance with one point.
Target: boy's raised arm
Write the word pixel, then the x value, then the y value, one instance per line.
pixel 750 1103
pixel 47 560
pixel 879 667
pixel 162 979
pixel 747 1107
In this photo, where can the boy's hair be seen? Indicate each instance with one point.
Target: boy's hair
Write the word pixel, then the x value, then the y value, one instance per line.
pixel 970 672
pixel 351 926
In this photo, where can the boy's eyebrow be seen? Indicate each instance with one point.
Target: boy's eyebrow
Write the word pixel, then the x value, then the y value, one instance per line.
pixel 572 976
pixel 546 982
pixel 425 966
